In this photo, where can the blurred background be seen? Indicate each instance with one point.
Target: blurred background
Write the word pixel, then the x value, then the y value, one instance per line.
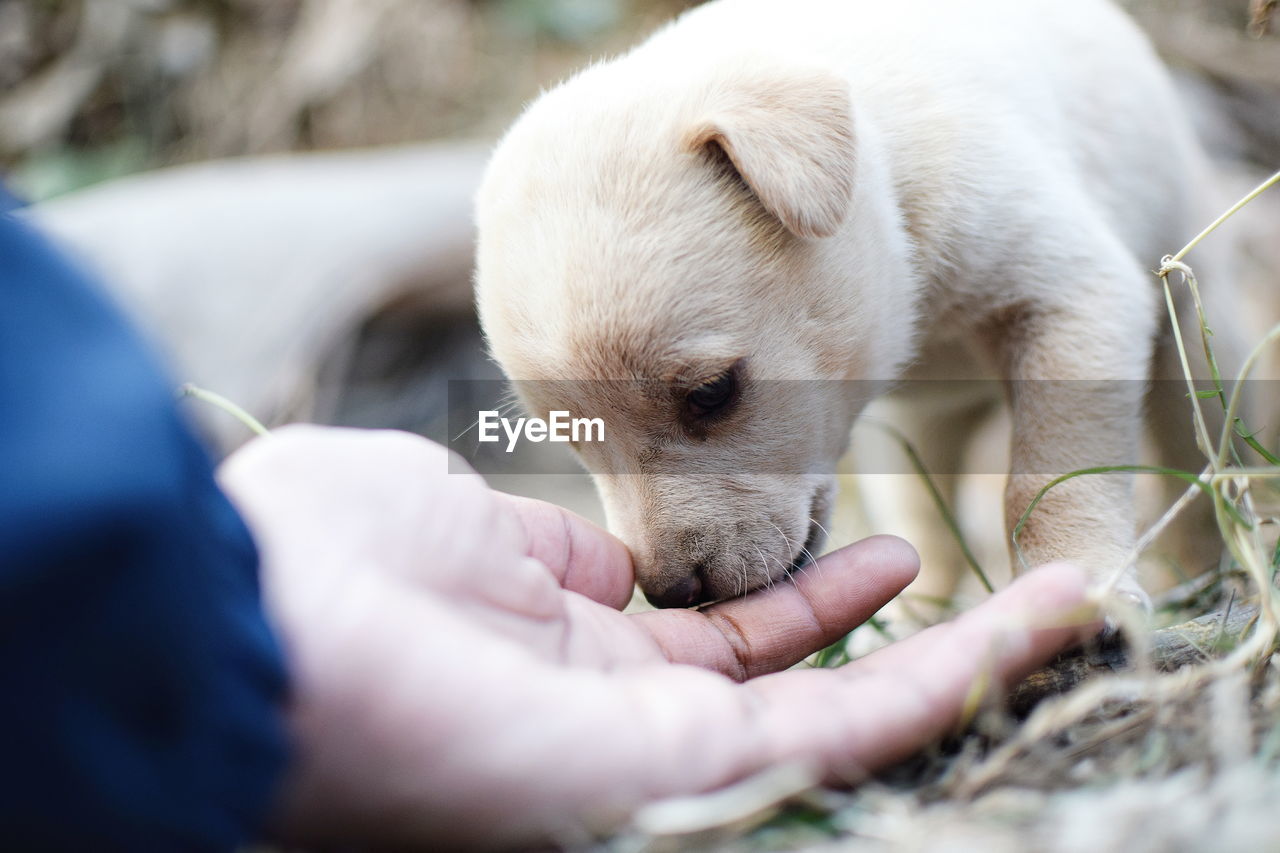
pixel 279 190
pixel 303 288
pixel 95 89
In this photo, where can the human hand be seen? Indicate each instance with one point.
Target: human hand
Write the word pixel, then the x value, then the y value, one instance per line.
pixel 462 675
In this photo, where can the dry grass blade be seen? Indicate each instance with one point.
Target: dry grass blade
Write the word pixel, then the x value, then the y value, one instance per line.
pixel 1172 648
pixel 1260 16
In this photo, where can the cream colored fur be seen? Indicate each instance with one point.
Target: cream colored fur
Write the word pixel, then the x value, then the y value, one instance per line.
pixel 845 190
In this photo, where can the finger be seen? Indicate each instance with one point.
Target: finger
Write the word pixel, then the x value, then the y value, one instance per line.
pixel 1040 610
pixel 772 629
pixel 914 692
pixel 583 557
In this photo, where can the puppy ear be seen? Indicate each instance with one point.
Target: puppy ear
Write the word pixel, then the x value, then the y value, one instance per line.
pixel 790 138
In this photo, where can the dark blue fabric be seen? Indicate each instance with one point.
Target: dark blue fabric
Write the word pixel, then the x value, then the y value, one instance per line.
pixel 140 686
pixel 9 201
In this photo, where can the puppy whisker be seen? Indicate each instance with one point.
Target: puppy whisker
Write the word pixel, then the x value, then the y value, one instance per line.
pixel 506 404
pixel 813 559
pixel 791 547
pixel 785 540
pixel 808 555
pixel 742 574
pixel 764 564
pixel 818 524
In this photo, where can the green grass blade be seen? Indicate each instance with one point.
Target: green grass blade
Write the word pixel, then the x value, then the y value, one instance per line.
pixel 221 402
pixel 943 510
pixel 1185 476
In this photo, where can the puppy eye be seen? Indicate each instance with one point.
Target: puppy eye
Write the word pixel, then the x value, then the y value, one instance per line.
pixel 712 397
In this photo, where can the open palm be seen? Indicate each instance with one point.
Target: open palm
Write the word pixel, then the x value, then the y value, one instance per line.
pixel 463 674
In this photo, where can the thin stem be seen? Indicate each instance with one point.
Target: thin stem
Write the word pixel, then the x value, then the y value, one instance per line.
pixel 1186 476
pixel 1234 406
pixel 943 510
pixel 1202 430
pixel 1254 193
pixel 221 402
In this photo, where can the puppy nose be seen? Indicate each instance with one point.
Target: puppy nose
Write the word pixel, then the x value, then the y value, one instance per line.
pixel 683 593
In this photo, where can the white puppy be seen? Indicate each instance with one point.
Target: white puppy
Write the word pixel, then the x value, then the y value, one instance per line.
pixel 851 191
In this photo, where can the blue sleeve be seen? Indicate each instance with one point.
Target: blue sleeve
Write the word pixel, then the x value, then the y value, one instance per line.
pixel 140 686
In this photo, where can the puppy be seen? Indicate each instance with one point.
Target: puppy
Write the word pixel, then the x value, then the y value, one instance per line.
pixel 732 238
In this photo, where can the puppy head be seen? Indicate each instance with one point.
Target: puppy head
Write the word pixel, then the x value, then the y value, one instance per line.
pixel 674 256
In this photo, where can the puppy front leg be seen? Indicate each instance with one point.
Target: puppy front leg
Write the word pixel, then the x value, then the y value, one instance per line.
pixel 1076 383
